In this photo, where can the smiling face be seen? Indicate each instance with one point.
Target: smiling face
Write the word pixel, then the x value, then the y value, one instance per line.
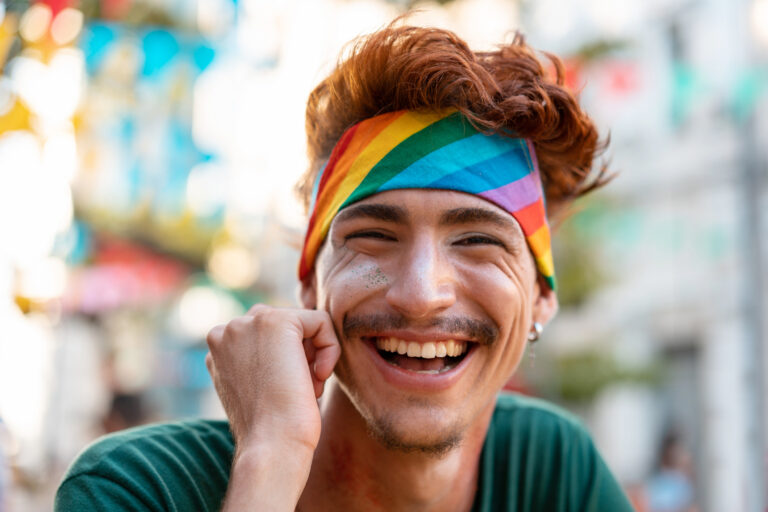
pixel 433 294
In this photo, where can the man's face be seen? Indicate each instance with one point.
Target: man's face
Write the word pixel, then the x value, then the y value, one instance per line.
pixel 432 273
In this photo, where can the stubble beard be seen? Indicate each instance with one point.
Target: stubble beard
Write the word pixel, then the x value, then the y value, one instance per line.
pixel 384 431
pixel 383 426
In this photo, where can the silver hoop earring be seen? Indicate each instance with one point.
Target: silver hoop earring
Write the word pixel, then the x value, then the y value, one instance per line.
pixel 535 332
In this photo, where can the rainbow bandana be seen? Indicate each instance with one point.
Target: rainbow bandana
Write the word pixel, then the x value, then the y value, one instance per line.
pixel 407 149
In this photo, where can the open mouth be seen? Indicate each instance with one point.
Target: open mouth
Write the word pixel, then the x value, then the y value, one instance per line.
pixel 429 358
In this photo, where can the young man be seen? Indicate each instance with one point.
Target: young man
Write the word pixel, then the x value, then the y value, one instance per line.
pixel 426 270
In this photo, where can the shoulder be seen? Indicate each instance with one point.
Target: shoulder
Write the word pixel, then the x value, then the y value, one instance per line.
pixel 537 456
pixel 152 467
pixel 523 413
pixel 531 432
pixel 153 443
pixel 511 403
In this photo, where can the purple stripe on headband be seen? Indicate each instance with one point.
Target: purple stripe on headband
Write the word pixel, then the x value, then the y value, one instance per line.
pixel 516 195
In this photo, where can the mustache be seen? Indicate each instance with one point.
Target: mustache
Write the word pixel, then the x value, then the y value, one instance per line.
pixel 484 332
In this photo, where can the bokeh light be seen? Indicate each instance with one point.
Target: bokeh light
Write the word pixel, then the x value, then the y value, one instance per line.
pixel 35 22
pixel 202 307
pixel 66 26
pixel 233 265
pixel 759 18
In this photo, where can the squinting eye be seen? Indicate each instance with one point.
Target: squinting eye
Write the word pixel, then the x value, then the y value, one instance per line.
pixel 368 234
pixel 479 240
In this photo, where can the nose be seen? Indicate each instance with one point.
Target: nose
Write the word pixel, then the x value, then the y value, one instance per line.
pixel 424 281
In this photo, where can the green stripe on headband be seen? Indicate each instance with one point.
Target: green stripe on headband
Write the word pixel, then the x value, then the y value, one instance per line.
pixel 416 147
pixel 443 151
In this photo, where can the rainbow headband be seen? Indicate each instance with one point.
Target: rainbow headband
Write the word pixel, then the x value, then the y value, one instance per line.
pixel 407 149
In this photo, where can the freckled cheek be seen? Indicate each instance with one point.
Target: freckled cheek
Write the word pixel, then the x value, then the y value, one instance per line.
pixel 350 284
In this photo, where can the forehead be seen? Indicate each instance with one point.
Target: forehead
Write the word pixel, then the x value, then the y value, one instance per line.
pixel 422 206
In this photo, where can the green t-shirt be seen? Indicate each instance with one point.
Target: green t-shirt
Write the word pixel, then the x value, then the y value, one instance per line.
pixel 536 457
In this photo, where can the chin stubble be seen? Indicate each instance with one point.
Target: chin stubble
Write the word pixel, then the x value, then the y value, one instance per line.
pixel 383 430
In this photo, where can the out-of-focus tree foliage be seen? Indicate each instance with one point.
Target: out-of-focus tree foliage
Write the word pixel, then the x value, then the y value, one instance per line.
pixel 577 258
pixel 583 375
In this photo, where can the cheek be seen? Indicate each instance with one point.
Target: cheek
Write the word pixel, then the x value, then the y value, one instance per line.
pixel 349 282
pixel 503 293
pixel 507 298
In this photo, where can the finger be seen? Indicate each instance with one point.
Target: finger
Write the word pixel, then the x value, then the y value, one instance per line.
pixel 210 364
pixel 318 385
pixel 309 350
pixel 215 335
pixel 310 353
pixel 326 360
pixel 317 326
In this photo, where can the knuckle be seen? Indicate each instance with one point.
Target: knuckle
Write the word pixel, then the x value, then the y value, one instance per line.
pixel 214 336
pixel 258 309
pixel 267 319
pixel 237 326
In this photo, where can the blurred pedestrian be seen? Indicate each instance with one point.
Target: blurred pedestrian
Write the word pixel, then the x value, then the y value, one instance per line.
pixel 670 488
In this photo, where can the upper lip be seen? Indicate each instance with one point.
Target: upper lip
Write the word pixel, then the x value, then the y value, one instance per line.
pixel 419 337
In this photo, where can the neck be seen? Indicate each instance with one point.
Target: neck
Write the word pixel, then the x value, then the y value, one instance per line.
pixel 352 470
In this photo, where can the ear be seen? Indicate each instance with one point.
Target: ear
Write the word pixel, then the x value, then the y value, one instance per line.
pixel 545 304
pixel 308 291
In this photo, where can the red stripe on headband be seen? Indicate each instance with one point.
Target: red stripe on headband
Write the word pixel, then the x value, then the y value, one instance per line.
pixel 532 217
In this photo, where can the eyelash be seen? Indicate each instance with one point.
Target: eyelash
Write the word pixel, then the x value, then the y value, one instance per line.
pixel 470 240
pixel 479 239
pixel 368 234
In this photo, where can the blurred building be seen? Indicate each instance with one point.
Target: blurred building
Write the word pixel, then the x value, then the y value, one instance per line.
pixel 680 233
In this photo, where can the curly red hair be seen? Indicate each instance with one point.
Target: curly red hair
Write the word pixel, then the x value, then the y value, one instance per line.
pixel 501 91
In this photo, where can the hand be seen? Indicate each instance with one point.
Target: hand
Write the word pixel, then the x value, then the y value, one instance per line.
pixel 269 367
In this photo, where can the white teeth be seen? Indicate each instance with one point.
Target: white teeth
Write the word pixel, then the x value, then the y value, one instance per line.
pixel 428 350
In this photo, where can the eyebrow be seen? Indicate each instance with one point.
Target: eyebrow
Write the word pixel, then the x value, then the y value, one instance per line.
pixel 473 215
pixel 383 212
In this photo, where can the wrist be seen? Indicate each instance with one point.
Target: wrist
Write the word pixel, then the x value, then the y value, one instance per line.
pixel 268 476
pixel 273 454
pixel 275 434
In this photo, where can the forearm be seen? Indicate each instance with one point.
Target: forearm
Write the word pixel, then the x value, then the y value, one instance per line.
pixel 267 478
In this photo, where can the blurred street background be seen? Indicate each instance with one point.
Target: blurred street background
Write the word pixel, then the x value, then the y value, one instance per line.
pixel 148 150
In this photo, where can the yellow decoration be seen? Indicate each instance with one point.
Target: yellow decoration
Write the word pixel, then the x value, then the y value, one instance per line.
pixel 7 33
pixel 16 118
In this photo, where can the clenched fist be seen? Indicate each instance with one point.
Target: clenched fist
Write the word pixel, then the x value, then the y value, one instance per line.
pixel 269 367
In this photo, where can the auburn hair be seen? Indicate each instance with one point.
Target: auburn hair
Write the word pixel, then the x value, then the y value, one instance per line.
pixel 501 91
